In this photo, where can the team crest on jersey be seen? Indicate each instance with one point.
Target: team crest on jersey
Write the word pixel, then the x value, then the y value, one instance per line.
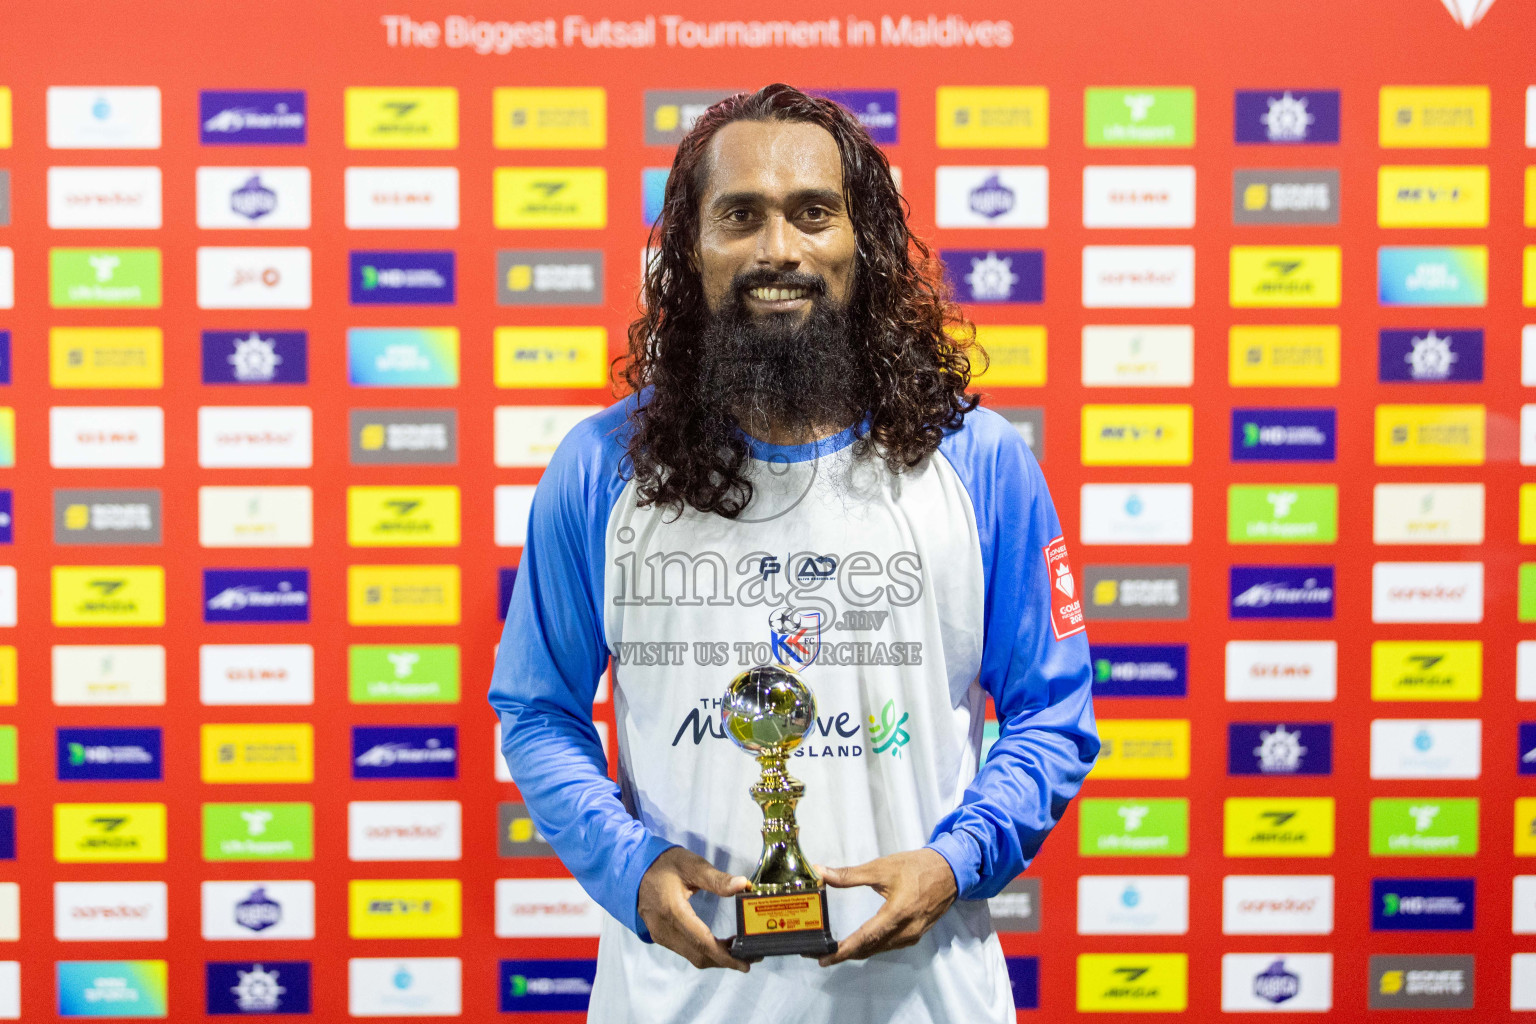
pixel 1066 599
pixel 796 636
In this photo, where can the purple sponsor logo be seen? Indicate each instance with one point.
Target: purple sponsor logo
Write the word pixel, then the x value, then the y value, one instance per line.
pixel 1280 117
pixel 405 752
pixel 1432 355
pixel 250 988
pixel 252 118
pixel 1423 904
pixel 255 357
pixel 1139 670
pixel 546 986
pixel 5 357
pixel 1280 748
pixel 1281 591
pixel 995 275
pixel 1024 978
pixel 255 595
pixel 1527 751
pixel 101 755
pixel 1283 435
pixel 7 521
pixel 506 579
pixel 402 277
pixel 876 110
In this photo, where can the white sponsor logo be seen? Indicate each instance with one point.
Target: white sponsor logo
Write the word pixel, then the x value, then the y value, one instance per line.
pixel 1528 355
pixel 527 435
pixel 109 911
pixel 10 990
pixel 106 437
pixel 101 675
pixel 1427 592
pixel 1433 748
pixel 258 910
pixel 254 436
pixel 231 277
pixel 404 986
pixel 7 278
pixel 1132 904
pixel 1282 670
pixel 544 908
pixel 1138 356
pixel 402 197
pixel 1139 197
pixel 1139 276
pixel 1428 514
pixel 991 197
pixel 253 197
pixel 7 595
pixel 103 197
pixel 1528 435
pixel 256 674
pixel 1276 982
pixel 1277 905
pixel 10 912
pixel 1525 905
pixel 1530 117
pixel 403 830
pixel 255 517
pixel 1522 966
pixel 513 502
pixel 1137 514
pixel 1525 670
pixel 91 117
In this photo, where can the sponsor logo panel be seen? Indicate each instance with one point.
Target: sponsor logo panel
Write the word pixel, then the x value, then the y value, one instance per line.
pixel 1423 904
pixel 517 835
pixel 550 197
pixel 1139 197
pixel 1016 354
pixel 403 830
pixel 258 910
pixel 1274 355
pixel 100 755
pixel 401 118
pixel 406 908
pixel 995 275
pixel 1427 592
pixel 402 198
pixel 1421 982
pixel 106 516
pixel 1133 827
pixel 109 911
pixel 1284 435
pixel 1430 435
pixel 255 517
pixel 1016 909
pixel 255 357
pixel 1132 904
pixel 1138 276
pixel 1286 117
pixel 396 674
pixel 1132 982
pixel 259 831
pixel 551 357
pixel 103 197
pixel 1282 514
pixel 1430 514
pixel 256 595
pixel 1137 514
pixel 403 595
pixel 991 197
pixel 1276 982
pixel 1280 749
pixel 1278 827
pixel 670 114
pixel 404 986
pixel 109 833
pixel 248 988
pixel 1139 117
pixel 403 516
pixel 401 277
pixel 549 118
pixel 545 908
pixel 104 278
pixel 1141 356
pixel 258 753
pixel 527 435
pixel 105 595
pixel 878 110
pixel 405 752
pixel 1137 592
pixel 991 117
pixel 1434 117
pixel 1426 670
pixel 408 357
pixel 549 277
pixel 1431 197
pixel 106 675
pixel 1281 592
pixel 97 437
pixel 1426 748
pixel 1137 435
pixel 93 117
pixel 111 988
pixel 1144 748
pixel 256 674
pixel 1424 827
pixel 413 437
pixel 1285 276
pixel 266 118
pixel 250 436
pixel 1284 196
pixel 1140 670
pixel 105 357
pixel 1450 275
pixel 545 986
pixel 1277 905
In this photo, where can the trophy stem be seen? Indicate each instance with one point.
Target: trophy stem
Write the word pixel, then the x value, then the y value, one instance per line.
pixel 783 868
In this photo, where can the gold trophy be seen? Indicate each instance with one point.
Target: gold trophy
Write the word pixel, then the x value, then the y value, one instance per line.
pixel 766 711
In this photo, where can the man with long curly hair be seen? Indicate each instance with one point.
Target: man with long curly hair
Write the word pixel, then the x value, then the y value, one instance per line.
pixel 799 474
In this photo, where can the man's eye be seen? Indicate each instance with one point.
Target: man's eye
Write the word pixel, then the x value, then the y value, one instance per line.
pixel 740 216
pixel 815 213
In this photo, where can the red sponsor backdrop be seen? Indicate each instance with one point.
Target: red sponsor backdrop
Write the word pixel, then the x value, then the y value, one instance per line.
pixel 1213 45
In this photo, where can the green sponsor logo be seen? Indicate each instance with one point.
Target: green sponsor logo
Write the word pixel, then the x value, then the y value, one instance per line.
pixel 258 831
pixel 1427 827
pixel 94 278
pixel 1526 611
pixel 1283 514
pixel 7 753
pixel 1133 828
pixel 1139 117
pixel 396 674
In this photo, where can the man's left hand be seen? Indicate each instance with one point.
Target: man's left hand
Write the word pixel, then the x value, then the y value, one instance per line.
pixel 918 887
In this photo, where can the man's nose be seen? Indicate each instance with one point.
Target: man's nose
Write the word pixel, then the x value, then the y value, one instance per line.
pixel 778 245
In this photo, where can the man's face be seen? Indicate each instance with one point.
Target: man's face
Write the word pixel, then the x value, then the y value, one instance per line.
pixel 773 226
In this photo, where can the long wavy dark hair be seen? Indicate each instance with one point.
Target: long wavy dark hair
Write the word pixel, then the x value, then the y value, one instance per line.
pixel 912 343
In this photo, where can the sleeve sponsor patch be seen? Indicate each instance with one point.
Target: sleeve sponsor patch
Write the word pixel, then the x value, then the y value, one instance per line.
pixel 1066 602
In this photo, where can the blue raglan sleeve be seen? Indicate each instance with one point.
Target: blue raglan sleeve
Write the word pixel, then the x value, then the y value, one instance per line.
pixel 1040 685
pixel 552 656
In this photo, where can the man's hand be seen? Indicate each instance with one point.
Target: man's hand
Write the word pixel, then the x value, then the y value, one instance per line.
pixel 918 887
pixel 663 904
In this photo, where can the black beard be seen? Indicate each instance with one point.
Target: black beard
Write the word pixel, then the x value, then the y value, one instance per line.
pixel 778 370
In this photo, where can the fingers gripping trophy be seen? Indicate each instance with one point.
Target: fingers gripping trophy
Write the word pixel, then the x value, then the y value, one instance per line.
pixel 767 711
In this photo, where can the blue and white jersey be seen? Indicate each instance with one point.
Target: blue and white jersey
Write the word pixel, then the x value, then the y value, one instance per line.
pixel 912 597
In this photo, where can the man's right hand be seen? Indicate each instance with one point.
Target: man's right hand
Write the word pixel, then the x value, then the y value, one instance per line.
pixel 663 904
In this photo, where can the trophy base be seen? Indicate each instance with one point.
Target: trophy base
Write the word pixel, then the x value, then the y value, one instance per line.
pixel 794 923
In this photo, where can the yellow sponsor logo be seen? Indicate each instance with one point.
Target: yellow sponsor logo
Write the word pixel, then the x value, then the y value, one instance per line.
pixel 1285 276
pixel 1016 356
pixel 393 118
pixel 1278 827
pixel 1528 513
pixel 1434 117
pixel 1530 196
pixel 386 517
pixel 1432 197
pixel 108 833
pixel 1138 435
pixel 1528 288
pixel 1283 356
pixel 550 197
pixel 404 908
pixel 106 357
pixel 7 674
pixel 403 595
pixel 993 117
pixel 1426 670
pixel 1132 982
pixel 551 357
pixel 1143 748
pixel 259 753
pixel 1429 435
pixel 1525 826
pixel 108 595
pixel 5 117
pixel 544 118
